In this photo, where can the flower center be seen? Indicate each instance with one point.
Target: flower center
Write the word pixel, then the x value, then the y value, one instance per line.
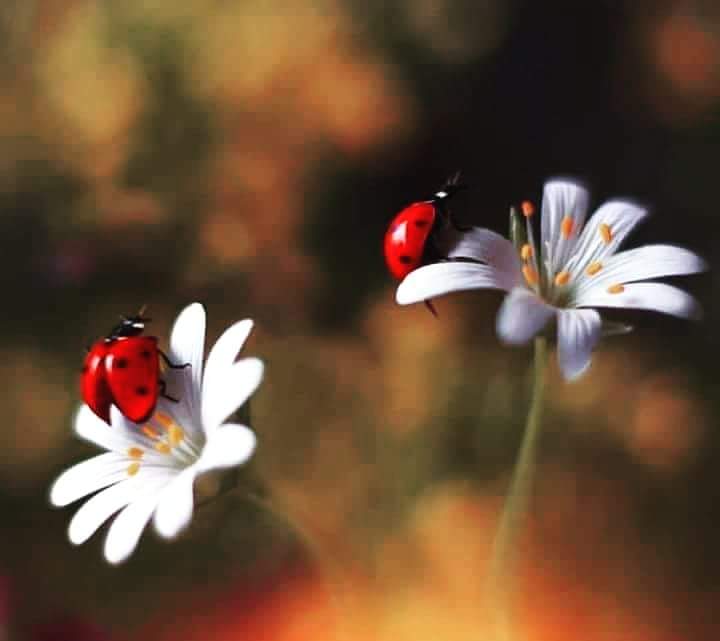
pixel 553 272
pixel 163 434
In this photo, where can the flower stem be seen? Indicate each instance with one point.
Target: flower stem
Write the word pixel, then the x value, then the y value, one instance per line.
pixel 503 558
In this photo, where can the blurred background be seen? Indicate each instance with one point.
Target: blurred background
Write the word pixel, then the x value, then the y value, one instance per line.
pixel 250 155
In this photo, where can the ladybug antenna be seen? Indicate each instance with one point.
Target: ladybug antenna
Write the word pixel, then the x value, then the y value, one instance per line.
pixel 451 186
pixel 142 310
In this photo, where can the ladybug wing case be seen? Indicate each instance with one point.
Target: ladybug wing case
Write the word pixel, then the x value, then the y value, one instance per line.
pixel 133 376
pixel 94 386
pixel 406 237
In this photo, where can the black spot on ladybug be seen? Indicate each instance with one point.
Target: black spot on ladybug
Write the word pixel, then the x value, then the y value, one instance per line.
pixel 421 223
pixel 120 363
pixel 405 260
pixel 145 354
pixel 142 390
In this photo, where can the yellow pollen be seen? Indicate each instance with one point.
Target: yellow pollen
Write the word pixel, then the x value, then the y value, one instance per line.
pixel 531 275
pixel 135 452
pixel 567 226
pixel 527 208
pixel 149 432
pixel 133 468
pixel 616 289
pixel 593 268
pixel 526 252
pixel 605 233
pixel 163 448
pixel 562 278
pixel 175 435
pixel 164 420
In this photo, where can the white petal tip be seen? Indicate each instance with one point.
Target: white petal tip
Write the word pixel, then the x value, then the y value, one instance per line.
pixel 571 375
pixel 168 527
pixel 77 537
pixel 403 295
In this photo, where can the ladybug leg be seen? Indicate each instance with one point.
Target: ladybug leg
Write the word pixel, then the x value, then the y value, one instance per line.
pixel 163 386
pixel 169 363
pixel 431 307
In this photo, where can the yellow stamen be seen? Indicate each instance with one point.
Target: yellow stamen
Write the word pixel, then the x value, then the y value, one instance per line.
pixel 562 278
pixel 135 452
pixel 163 448
pixel 526 252
pixel 605 233
pixel 616 289
pixel 567 226
pixel 527 208
pixel 531 275
pixel 593 268
pixel 150 432
pixel 133 468
pixel 175 434
pixel 164 420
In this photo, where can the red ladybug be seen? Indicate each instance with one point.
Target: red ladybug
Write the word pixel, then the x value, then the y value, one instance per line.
pixel 406 240
pixel 124 369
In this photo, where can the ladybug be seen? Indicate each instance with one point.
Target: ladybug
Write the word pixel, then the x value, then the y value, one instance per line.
pixel 124 369
pixel 406 239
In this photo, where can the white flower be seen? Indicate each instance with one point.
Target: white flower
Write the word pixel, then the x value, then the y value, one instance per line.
pixel 577 268
pixel 149 470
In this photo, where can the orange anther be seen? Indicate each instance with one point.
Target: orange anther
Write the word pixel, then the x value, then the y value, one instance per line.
pixel 562 278
pixel 567 226
pixel 175 435
pixel 527 208
pixel 163 448
pixel 149 432
pixel 593 268
pixel 616 289
pixel 133 468
pixel 526 251
pixel 605 233
pixel 135 452
pixel 164 419
pixel 531 275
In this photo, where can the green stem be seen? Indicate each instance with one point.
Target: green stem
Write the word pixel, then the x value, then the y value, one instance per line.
pixel 503 559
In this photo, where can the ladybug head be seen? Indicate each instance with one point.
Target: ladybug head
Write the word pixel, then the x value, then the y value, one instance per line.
pixel 451 187
pixel 129 326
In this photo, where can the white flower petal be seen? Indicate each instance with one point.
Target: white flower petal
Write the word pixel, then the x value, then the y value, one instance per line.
pixel 187 345
pixel 621 218
pixel 657 297
pixel 230 445
pixel 226 350
pixel 93 429
pixel 486 246
pixel 125 531
pixel 651 261
pixel 578 333
pixel 444 278
pixel 175 507
pixel 561 199
pixel 230 392
pixel 88 477
pixel 94 512
pixel 522 315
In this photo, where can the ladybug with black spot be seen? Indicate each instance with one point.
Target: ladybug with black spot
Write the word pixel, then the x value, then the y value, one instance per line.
pixel 124 369
pixel 408 240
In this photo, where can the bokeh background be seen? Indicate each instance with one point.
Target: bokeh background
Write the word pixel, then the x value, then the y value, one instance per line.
pixel 249 155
